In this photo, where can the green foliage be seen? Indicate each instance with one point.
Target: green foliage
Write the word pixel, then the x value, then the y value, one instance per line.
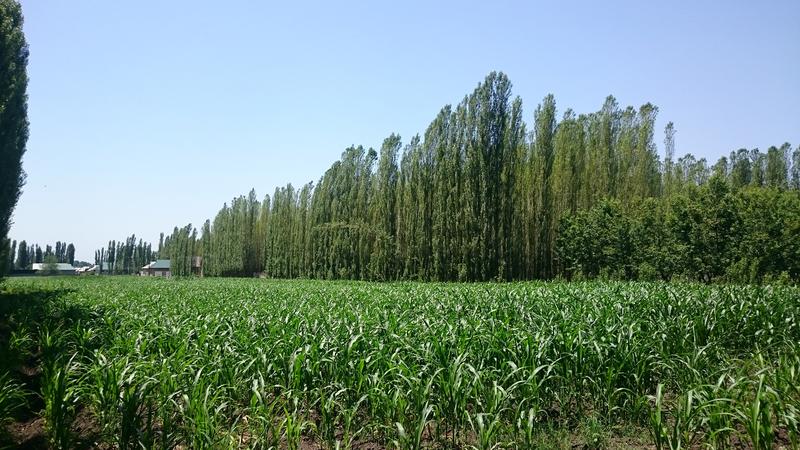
pixel 60 397
pixel 710 233
pixel 50 265
pixel 260 364
pixel 13 117
pixel 12 399
pixel 126 257
pixel 597 242
pixel 477 197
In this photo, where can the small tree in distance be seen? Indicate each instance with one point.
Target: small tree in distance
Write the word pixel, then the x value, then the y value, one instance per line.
pixel 50 265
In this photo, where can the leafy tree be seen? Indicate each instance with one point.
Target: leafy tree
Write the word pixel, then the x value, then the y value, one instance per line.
pixel 23 257
pixel 11 254
pixel 544 132
pixel 13 115
pixel 759 163
pixel 669 160
pixel 477 197
pixel 6 262
pixel 597 242
pixel 50 265
pixel 741 171
pixel 777 170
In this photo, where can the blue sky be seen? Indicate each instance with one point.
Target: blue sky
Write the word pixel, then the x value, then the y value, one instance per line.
pixel 150 114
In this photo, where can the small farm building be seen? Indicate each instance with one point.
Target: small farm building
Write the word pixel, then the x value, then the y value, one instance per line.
pixel 157 268
pixel 60 269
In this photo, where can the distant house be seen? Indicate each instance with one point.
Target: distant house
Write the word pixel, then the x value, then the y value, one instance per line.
pixel 94 270
pixel 157 268
pixel 61 269
pixel 197 266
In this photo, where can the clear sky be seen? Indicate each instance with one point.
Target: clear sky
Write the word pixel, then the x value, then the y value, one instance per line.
pixel 149 114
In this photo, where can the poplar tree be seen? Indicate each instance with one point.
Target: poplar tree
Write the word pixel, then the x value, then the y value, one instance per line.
pixel 23 256
pixel 383 213
pixel 71 253
pixel 777 166
pixel 568 166
pixel 478 198
pixel 669 157
pixel 11 255
pixel 544 133
pixel 13 115
pixel 758 162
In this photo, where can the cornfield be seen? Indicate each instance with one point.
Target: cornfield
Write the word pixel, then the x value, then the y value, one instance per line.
pixel 229 363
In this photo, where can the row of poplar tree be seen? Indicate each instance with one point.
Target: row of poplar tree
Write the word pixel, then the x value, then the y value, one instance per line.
pixel 23 256
pixel 480 196
pixel 124 257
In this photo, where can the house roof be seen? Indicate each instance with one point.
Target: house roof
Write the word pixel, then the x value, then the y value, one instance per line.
pixel 59 266
pixel 159 264
pixel 94 268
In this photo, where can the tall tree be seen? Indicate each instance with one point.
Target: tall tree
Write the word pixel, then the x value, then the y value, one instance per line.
pixel 477 198
pixel 383 214
pixel 23 257
pixel 11 255
pixel 13 114
pixel 758 162
pixel 777 170
pixel 669 159
pixel 544 133
pixel 741 170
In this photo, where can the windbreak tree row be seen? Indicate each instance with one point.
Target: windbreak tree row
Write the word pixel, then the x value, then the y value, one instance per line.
pixel 482 196
pixel 24 255
pixel 124 257
pixel 708 233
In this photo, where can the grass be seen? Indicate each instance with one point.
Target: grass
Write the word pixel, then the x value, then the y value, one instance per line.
pixel 242 363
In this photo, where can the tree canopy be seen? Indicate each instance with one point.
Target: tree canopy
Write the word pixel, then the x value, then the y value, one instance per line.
pixel 13 118
pixel 483 196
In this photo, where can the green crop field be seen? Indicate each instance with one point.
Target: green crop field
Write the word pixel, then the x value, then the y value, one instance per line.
pixel 124 362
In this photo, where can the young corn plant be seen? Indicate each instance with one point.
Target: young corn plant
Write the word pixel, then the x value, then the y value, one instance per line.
pixel 12 399
pixel 136 414
pixel 293 426
pixel 594 434
pixel 347 417
pixel 263 415
pixel 412 439
pixel 486 427
pixel 327 422
pixel 532 359
pixel 60 400
pixel 685 425
pixel 526 427
pixel 757 416
pixel 719 413
pixel 201 410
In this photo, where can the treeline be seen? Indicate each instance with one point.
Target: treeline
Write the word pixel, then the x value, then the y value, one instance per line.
pixel 179 248
pixel 706 233
pixel 480 196
pixel 23 255
pixel 124 257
